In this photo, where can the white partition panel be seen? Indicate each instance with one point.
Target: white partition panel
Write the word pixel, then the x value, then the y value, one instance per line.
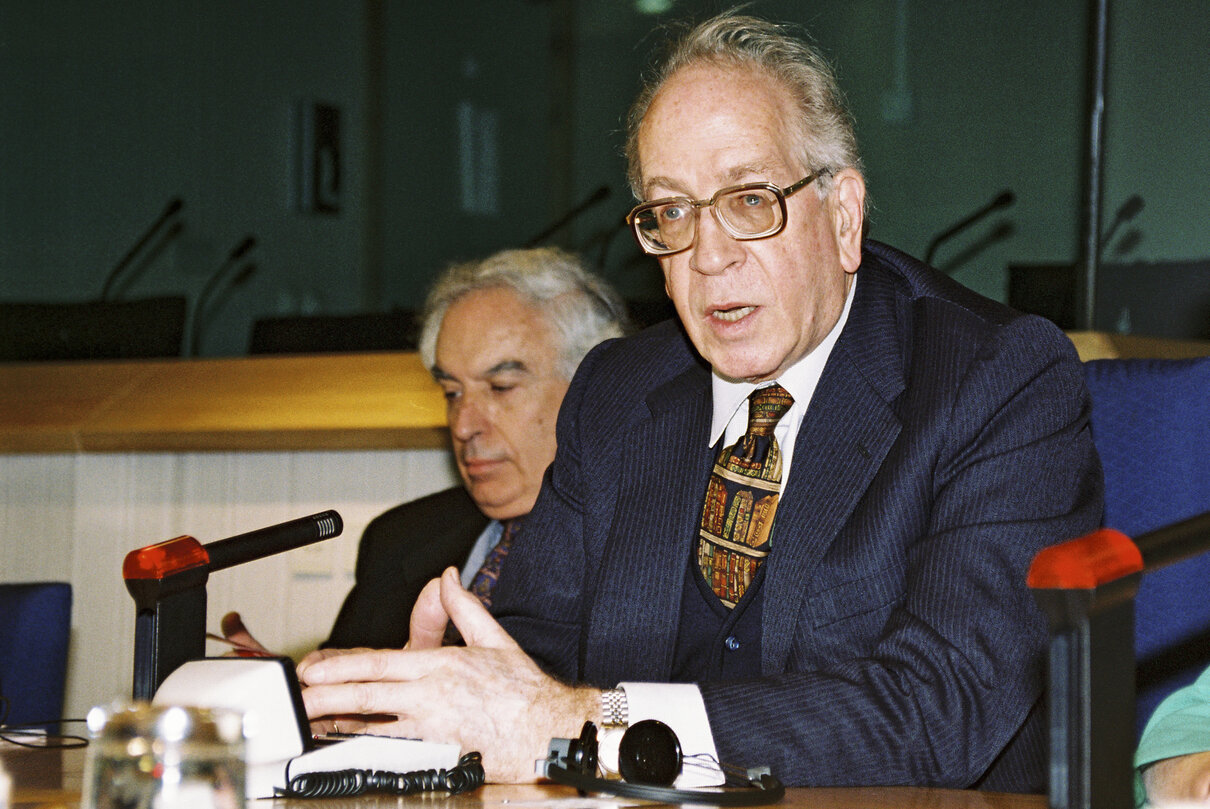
pixel 74 517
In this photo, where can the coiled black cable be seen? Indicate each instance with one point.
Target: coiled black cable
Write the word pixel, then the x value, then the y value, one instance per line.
pixel 466 776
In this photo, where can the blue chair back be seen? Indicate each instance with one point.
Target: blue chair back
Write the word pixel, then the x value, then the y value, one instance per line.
pixel 1151 426
pixel 35 626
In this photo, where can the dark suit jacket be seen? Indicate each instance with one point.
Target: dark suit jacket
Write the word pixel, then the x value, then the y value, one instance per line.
pixel 400 551
pixel 946 444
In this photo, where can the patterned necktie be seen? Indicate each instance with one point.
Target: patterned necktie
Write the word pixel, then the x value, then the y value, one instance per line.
pixel 741 499
pixel 485 580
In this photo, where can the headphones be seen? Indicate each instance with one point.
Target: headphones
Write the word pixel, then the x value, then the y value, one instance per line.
pixel 649 759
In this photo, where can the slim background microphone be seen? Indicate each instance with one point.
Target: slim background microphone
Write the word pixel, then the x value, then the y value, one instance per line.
pixel 198 321
pixel 1002 200
pixel 1126 211
pixel 174 205
pixel 593 199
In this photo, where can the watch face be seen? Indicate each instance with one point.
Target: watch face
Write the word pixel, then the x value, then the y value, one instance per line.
pixel 649 753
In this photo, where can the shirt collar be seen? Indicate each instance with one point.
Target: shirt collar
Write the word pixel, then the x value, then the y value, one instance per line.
pixel 800 379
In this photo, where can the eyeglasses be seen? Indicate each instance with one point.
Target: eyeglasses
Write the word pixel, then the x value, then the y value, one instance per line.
pixel 748 211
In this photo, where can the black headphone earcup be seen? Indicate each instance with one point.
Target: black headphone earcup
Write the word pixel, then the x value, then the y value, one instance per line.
pixel 582 752
pixel 574 762
pixel 650 753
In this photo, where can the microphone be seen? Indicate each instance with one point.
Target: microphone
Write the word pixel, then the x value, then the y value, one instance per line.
pixel 1126 211
pixel 199 305
pixel 241 249
pixel 183 554
pixel 277 538
pixel 594 198
pixel 1002 200
pixel 168 583
pixel 169 211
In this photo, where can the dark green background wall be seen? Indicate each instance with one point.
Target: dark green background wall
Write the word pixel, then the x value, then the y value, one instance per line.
pixel 112 107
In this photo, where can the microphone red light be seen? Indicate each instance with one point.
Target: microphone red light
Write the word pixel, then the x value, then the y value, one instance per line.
pixel 165 558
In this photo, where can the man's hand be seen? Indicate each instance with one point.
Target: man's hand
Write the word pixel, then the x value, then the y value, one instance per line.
pixel 487 696
pixel 426 627
pixel 239 637
pixel 1179 780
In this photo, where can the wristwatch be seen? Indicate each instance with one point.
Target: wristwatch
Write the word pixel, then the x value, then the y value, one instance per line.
pixel 614 710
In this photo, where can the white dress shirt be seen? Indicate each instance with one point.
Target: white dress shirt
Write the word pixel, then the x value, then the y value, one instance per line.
pixel 478 555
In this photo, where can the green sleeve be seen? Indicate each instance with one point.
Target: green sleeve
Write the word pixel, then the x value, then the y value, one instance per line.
pixel 1179 726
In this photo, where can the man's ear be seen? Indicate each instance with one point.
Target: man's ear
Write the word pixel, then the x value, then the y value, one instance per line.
pixel 848 210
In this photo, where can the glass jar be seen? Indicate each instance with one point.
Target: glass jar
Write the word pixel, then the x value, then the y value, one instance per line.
pixel 146 756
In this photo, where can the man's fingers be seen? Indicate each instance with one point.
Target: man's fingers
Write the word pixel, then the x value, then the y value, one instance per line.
pixel 316 656
pixel 427 625
pixel 359 707
pixel 360 700
pixel 233 629
pixel 231 624
pixel 368 666
pixel 474 622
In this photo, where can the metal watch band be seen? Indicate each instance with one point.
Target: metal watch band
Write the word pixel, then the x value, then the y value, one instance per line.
pixel 614 709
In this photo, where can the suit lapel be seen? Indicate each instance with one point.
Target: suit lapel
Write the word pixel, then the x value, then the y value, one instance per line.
pixel 848 430
pixel 666 463
pixel 449 541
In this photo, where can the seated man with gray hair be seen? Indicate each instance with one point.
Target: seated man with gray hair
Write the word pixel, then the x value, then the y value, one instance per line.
pixel 503 337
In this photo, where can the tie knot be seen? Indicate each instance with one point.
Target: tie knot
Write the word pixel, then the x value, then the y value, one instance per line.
pixel 510 529
pixel 766 406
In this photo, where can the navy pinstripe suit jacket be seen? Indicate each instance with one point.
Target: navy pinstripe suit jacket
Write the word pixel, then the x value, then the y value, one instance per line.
pixel 946 444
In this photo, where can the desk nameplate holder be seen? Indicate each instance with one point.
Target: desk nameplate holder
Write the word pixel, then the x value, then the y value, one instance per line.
pixel 266 691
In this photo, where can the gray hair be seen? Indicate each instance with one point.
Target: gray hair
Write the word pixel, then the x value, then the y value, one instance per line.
pixel 581 309
pixel 825 128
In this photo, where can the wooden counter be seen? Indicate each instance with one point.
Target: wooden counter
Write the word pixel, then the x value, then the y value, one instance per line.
pixel 38 775
pixel 350 401
pixel 1099 345
pixel 324 402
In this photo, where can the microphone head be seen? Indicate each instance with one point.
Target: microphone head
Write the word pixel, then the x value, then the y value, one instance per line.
pixel 243 247
pixel 1004 199
pixel 172 207
pixel 1130 208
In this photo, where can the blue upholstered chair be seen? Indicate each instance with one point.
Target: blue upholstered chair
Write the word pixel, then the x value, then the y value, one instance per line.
pixel 1151 426
pixel 35 625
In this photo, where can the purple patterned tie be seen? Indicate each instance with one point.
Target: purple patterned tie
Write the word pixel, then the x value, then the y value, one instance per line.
pixel 741 499
pixel 489 572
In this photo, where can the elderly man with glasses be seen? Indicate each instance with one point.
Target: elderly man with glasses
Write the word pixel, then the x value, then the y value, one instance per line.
pixel 795 525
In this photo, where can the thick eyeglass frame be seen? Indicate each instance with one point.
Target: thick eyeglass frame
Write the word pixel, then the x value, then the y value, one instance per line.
pixel 779 193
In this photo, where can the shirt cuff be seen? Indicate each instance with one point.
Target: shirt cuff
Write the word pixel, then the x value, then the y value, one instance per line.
pixel 680 707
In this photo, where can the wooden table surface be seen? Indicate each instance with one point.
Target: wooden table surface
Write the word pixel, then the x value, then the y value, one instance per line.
pixel 350 401
pixel 51 779
pixel 381 400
